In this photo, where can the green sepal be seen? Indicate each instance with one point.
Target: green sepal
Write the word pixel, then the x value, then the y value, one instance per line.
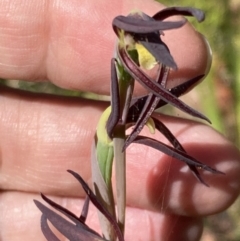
pixel 105 154
pixel 102 134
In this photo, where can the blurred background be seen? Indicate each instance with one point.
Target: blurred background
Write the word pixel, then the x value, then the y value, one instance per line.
pixel 218 96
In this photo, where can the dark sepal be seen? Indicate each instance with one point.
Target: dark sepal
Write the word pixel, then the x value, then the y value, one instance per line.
pixel 115 101
pixel 170 151
pixel 159 50
pixel 183 88
pixel 153 43
pixel 84 213
pixel 138 102
pixel 154 87
pixel 148 108
pixel 47 232
pixel 68 229
pixel 175 143
pixel 78 221
pixel 98 205
pixel 185 11
pixel 61 209
pixel 140 26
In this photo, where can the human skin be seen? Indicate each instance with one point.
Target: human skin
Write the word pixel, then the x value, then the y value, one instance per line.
pixel 70 43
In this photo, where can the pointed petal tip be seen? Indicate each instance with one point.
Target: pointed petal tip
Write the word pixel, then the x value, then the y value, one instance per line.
pixel 206 119
pixel 212 170
pixel 184 11
pixel 200 116
pixel 204 183
pixel 71 172
pixel 36 202
pixel 219 172
pixel 174 67
pixel 39 205
pixel 126 144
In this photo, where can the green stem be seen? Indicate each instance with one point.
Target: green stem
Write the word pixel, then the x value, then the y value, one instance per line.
pixel 126 85
pixel 120 167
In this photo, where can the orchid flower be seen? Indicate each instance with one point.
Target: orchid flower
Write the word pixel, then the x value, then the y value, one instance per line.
pixel 139 48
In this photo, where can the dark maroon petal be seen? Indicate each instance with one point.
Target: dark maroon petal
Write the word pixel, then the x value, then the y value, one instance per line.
pixel 61 209
pixel 181 89
pixel 148 109
pixel 145 114
pixel 98 205
pixel 196 173
pixel 68 229
pixel 185 11
pixel 136 106
pixel 168 134
pixel 138 102
pixel 85 208
pixel 140 26
pixel 160 51
pixel 174 141
pixel 47 232
pixel 68 214
pixel 170 151
pixel 115 101
pixel 142 119
pixel 185 87
pixel 154 87
pixel 127 102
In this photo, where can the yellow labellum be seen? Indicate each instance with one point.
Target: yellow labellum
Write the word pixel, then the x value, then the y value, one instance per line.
pixel 151 125
pixel 146 60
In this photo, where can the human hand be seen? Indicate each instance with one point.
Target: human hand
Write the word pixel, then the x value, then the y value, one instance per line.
pixel 71 44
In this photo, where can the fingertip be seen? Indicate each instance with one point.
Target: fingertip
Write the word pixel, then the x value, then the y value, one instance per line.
pixel 170 186
pixel 183 194
pixel 159 226
pixel 191 51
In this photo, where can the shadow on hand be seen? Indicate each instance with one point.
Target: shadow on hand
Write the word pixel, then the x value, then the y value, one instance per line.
pixel 172 188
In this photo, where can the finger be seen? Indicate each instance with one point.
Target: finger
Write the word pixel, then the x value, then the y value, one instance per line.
pixel 18 214
pixel 167 184
pixel 42 137
pixel 72 48
pixel 44 134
